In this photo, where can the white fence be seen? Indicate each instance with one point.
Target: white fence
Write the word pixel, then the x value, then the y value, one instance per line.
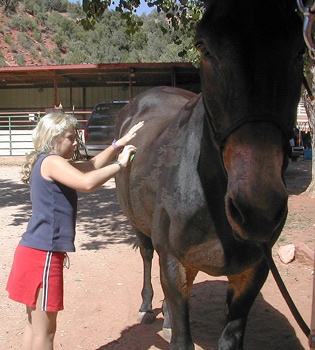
pixel 16 134
pixel 16 130
pixel 15 143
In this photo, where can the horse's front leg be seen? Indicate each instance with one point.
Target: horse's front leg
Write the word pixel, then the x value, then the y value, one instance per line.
pixel 146 314
pixel 242 292
pixel 177 282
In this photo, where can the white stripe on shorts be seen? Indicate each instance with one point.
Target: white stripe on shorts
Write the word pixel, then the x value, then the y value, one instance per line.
pixel 46 280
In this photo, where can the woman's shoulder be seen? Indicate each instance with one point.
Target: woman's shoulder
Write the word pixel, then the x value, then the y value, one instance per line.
pixel 54 158
pixel 52 164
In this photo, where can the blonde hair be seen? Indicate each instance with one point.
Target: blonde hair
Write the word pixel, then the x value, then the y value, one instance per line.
pixel 50 127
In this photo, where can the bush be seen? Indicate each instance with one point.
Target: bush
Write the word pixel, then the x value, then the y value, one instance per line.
pixel 20 59
pixel 45 52
pixel 37 35
pixel 21 23
pixel 33 53
pixel 24 40
pixel 3 63
pixel 9 6
pixel 8 39
pixel 14 48
pixel 59 40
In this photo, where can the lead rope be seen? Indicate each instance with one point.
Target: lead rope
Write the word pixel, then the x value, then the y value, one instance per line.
pixel 283 290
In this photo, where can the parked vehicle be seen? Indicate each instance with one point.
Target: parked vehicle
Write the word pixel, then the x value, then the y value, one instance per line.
pixel 296 146
pixel 99 131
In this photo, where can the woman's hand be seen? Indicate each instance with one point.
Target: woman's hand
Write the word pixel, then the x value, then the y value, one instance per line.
pixel 124 156
pixel 130 135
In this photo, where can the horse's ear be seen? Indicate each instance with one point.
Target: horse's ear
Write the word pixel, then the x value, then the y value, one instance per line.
pixel 208 3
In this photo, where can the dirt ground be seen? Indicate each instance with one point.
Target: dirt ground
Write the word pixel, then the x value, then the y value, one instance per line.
pixel 103 284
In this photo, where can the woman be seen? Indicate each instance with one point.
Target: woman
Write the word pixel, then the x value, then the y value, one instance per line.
pixel 36 277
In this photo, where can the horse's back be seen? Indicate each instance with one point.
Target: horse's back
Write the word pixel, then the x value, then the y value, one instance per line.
pixel 157 107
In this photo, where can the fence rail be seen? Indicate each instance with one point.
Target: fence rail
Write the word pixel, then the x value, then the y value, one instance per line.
pixel 16 134
pixel 16 131
pixel 16 128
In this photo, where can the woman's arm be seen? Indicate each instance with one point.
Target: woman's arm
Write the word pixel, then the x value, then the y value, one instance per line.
pixel 106 156
pixel 58 169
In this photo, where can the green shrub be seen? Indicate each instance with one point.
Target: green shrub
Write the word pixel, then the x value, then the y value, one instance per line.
pixel 45 51
pixel 24 40
pixel 8 39
pixel 21 23
pixel 14 48
pixel 20 59
pixel 3 63
pixel 37 35
pixel 59 40
pixel 33 53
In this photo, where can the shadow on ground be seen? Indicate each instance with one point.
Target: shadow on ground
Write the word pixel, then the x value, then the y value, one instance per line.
pixel 298 176
pixel 266 329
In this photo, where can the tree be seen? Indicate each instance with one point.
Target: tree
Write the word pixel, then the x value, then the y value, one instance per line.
pixel 182 17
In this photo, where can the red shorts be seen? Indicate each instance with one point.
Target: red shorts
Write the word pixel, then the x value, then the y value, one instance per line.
pixel 33 269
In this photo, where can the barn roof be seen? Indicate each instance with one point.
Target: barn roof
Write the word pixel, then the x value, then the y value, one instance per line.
pixel 92 75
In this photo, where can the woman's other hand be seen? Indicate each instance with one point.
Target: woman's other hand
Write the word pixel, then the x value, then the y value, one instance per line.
pixel 132 133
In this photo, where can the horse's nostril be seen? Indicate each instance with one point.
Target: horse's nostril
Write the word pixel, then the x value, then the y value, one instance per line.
pixel 234 212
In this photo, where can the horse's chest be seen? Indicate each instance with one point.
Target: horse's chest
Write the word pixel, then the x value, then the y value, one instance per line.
pixel 208 257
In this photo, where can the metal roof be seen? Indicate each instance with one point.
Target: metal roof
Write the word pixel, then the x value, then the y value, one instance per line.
pixel 90 75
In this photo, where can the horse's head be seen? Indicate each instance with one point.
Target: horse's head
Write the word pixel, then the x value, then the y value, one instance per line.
pixel 251 74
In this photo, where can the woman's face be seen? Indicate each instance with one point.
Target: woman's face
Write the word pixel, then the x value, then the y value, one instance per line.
pixel 65 144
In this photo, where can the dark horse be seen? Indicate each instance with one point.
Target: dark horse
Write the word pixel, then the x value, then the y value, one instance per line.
pixel 206 188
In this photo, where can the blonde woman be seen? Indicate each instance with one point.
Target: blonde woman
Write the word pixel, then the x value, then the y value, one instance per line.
pixel 36 277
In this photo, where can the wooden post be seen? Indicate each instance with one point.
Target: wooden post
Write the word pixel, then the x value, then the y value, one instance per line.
pixel 71 104
pixel 55 89
pixel 131 75
pixel 173 77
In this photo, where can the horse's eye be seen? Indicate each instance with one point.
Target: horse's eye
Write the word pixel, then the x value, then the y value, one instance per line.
pixel 202 49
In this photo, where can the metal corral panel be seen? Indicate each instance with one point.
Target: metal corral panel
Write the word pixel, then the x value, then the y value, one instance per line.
pixel 17 143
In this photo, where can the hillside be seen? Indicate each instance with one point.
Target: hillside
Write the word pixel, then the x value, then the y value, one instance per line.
pixel 35 33
pixel 20 47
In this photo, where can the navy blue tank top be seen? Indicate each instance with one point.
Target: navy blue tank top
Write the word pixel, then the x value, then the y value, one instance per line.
pixel 52 224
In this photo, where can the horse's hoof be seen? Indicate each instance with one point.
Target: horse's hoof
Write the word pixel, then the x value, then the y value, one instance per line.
pixel 167 334
pixel 146 317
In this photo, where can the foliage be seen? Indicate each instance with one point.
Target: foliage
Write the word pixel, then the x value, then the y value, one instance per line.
pixel 9 5
pixel 20 59
pixel 25 41
pixel 111 40
pixel 8 39
pixel 2 60
pixel 181 18
pixel 21 23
